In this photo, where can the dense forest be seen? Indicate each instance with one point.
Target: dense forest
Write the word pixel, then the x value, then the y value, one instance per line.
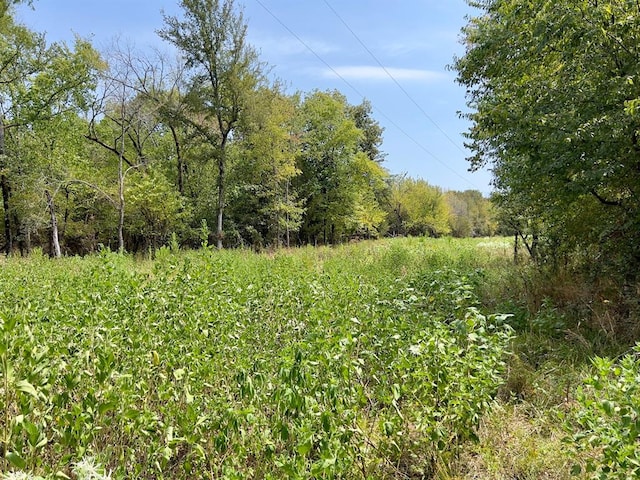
pixel 130 150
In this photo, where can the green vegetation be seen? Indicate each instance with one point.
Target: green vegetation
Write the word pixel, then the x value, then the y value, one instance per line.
pixel 403 358
pixel 368 361
pixel 125 149
pixel 553 90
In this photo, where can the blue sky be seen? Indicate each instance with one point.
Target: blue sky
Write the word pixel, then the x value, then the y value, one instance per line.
pixel 392 52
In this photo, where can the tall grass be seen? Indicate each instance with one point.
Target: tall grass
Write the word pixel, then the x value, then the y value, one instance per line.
pixel 305 363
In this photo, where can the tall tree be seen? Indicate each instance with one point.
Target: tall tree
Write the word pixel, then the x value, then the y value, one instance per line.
pixel 471 214
pixel 224 68
pixel 56 96
pixel 121 123
pixel 329 142
pixel 417 208
pixel 37 84
pixel 339 181
pixel 371 139
pixel 266 201
pixel 21 53
pixel 554 90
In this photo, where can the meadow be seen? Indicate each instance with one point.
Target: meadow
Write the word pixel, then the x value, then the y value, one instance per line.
pixel 401 358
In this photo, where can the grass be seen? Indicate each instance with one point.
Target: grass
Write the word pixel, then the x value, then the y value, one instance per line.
pixel 381 359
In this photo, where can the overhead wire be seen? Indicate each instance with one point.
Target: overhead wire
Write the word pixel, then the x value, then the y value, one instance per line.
pixel 362 96
pixel 390 75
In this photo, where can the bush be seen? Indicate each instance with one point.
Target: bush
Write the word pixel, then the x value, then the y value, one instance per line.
pixel 608 418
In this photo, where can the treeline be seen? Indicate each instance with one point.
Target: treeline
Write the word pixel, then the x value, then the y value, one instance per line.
pixel 131 150
pixel 554 93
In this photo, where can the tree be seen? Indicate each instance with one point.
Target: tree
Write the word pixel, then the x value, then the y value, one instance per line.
pixel 20 55
pixel 554 88
pixel 371 139
pixel 368 180
pixel 337 178
pixel 224 69
pixel 37 84
pixel 471 214
pixel 57 96
pixel 121 124
pixel 155 208
pixel 265 201
pixel 417 208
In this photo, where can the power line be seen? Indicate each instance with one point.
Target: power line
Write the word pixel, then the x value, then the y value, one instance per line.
pixel 398 84
pixel 350 85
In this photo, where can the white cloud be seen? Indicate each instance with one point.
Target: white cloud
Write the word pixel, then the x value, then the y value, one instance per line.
pixel 413 45
pixel 380 73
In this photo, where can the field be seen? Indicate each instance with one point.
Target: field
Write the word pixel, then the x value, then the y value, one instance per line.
pixel 387 359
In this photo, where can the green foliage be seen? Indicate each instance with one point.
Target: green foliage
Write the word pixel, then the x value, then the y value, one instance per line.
pixel 553 88
pixel 471 214
pixel 339 182
pixel 264 199
pixel 417 208
pixel 224 70
pixel 154 208
pixel 307 364
pixel 607 419
pixel 39 84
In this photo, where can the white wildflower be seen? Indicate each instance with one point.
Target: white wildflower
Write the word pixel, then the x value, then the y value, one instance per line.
pixel 19 476
pixel 88 469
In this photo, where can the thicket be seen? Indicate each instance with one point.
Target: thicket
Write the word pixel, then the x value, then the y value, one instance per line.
pixel 553 93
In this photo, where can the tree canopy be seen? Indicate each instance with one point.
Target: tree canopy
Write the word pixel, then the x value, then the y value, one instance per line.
pixel 554 88
pixel 132 150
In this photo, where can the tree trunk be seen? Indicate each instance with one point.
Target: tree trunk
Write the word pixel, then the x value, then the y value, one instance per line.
pixel 55 241
pixel 287 233
pixel 180 160
pixel 121 204
pixel 27 240
pixel 220 184
pixel 6 193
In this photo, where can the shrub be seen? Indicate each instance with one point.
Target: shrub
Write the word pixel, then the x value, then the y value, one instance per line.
pixel 608 418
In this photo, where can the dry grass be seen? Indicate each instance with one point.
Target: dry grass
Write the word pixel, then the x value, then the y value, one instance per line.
pixel 514 445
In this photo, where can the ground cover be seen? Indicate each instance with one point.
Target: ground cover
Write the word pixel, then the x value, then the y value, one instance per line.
pixel 371 360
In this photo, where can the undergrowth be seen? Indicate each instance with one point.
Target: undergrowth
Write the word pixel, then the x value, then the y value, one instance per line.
pixel 366 361
pixel 404 358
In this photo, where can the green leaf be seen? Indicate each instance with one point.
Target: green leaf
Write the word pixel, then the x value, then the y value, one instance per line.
pixel 16 460
pixel 107 406
pixel 304 448
pixel 43 441
pixel 326 422
pixel 607 406
pixel 25 387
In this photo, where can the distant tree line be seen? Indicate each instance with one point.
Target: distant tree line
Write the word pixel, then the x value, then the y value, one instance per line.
pixel 128 151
